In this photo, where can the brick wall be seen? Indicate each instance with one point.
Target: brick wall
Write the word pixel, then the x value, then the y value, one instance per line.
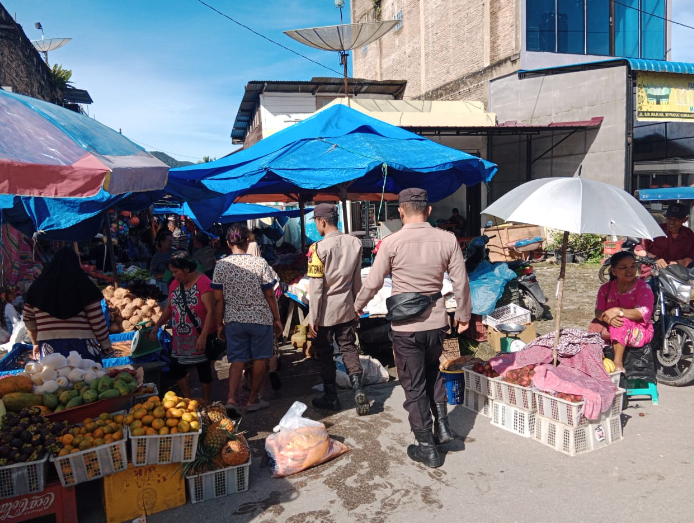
pixel 446 49
pixel 21 66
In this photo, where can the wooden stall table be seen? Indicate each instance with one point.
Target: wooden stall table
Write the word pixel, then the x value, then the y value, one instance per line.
pixel 298 306
pixel 55 499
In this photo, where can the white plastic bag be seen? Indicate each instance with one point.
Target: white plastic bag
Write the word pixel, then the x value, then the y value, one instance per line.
pixel 299 443
pixel 374 372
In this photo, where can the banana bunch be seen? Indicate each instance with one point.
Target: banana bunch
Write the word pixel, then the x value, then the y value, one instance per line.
pixel 609 365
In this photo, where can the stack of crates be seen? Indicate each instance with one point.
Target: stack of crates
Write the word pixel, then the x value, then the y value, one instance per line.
pixel 478 393
pixel 514 407
pixel 560 425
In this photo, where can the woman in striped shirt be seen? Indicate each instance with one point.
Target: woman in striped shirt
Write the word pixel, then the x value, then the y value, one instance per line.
pixel 62 311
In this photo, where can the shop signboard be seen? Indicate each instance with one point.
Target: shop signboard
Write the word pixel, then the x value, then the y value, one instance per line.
pixel 664 97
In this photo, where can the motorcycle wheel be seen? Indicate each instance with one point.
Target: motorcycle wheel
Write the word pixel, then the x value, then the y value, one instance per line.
pixel 604 273
pixel 538 256
pixel 677 369
pixel 537 310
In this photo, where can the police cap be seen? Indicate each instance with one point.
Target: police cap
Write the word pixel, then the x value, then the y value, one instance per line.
pixel 413 195
pixel 324 210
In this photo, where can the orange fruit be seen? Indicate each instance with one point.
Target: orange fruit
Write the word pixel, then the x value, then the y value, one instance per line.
pixel 63 452
pixel 187 416
pixel 108 429
pixel 119 418
pixel 117 436
pixel 174 430
pixel 195 425
pixel 147 420
pixel 67 439
pixel 98 433
pixel 183 426
pixel 176 413
pixel 135 407
pixel 171 422
pixel 101 423
pixel 99 441
pixel 169 404
pixel 69 448
pixel 148 406
pixel 159 412
pixel 137 424
pixel 139 432
pixel 105 416
pixel 150 432
pixel 84 445
pixel 164 431
pixel 128 419
pixel 74 451
pixel 140 413
pixel 158 423
pixel 77 441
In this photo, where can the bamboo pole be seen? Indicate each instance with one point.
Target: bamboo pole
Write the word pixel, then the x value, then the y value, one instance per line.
pixel 560 294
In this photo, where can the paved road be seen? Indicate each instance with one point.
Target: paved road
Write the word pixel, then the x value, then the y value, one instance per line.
pixel 489 475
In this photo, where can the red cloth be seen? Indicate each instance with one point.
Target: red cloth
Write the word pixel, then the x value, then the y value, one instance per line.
pixel 668 248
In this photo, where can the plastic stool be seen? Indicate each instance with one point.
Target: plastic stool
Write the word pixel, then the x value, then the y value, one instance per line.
pixel 642 388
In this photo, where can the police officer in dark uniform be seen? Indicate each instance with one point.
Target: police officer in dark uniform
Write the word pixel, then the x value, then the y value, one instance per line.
pixel 334 280
pixel 417 257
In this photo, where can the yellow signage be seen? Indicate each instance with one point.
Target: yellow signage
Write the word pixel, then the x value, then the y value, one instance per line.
pixel 665 97
pixel 315 265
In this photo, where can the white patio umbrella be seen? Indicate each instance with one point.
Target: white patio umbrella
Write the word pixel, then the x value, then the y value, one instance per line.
pixel 579 206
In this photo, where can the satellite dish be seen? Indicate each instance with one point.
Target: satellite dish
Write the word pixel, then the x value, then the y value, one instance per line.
pixel 342 38
pixel 49 44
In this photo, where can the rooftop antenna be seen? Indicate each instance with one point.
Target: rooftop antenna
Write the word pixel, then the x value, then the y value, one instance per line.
pixel 48 44
pixel 342 38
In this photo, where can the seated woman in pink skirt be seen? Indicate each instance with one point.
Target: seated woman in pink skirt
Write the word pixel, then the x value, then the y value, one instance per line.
pixel 624 308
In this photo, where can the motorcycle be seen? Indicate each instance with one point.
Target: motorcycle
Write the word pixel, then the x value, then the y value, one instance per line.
pixel 628 245
pixel 673 333
pixel 530 293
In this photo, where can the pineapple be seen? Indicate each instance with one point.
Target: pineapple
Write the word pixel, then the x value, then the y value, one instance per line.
pixel 215 438
pixel 235 451
pixel 214 413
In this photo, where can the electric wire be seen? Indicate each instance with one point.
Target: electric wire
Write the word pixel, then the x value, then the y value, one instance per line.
pixel 617 2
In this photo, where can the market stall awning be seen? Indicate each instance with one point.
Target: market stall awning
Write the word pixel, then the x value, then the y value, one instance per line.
pixel 49 151
pixel 666 193
pixel 336 150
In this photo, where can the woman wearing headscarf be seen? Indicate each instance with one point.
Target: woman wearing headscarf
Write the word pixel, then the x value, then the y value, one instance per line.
pixel 62 311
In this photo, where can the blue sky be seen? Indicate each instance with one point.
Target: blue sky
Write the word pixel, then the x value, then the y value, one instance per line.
pixel 171 73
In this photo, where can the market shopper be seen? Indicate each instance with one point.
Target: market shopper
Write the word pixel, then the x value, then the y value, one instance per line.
pixel 62 311
pixel 624 308
pixel 160 261
pixel 676 247
pixel 246 312
pixel 191 306
pixel 334 281
pixel 417 257
pixel 10 314
pixel 204 253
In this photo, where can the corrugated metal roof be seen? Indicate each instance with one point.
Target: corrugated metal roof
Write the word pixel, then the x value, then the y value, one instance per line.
pixel 317 86
pixel 635 64
pixel 76 96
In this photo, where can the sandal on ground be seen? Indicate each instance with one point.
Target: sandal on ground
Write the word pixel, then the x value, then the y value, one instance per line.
pixel 262 404
pixel 232 409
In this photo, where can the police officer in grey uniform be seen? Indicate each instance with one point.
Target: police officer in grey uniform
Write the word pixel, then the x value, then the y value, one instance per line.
pixel 335 279
pixel 417 257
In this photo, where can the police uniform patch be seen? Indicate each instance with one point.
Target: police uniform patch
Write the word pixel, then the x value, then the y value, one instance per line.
pixel 316 269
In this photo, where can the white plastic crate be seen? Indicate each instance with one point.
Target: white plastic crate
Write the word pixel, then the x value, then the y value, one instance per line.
pixel 478 383
pixel 578 440
pixel 569 413
pixel 615 376
pixel 478 403
pixel 162 450
pixel 23 478
pixel 144 397
pixel 511 313
pixel 514 395
pixel 94 463
pixel 513 419
pixel 218 483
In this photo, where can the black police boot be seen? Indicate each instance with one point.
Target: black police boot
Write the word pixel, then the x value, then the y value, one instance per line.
pixel 360 397
pixel 329 401
pixel 426 451
pixel 442 432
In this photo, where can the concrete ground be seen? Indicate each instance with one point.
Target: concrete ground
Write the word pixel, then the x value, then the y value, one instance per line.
pixel 489 474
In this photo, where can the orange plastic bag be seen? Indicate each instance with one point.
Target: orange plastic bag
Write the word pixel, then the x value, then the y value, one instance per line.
pixel 299 443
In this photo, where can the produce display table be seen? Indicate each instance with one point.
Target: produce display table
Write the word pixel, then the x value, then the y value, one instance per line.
pixel 55 499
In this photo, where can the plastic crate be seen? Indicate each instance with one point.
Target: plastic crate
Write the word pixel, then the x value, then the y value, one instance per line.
pixel 615 377
pixel 475 402
pixel 476 330
pixel 514 395
pixel 610 247
pixel 478 383
pixel 569 413
pixel 511 313
pixel 90 464
pixel 512 419
pixel 455 387
pixel 23 478
pixel 578 440
pixel 218 483
pixel 162 450
pixel 144 397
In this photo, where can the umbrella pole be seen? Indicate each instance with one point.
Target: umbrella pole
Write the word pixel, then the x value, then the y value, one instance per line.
pixel 302 220
pixel 111 253
pixel 560 293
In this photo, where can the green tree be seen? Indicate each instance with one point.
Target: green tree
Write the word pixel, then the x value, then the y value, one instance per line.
pixel 206 159
pixel 60 76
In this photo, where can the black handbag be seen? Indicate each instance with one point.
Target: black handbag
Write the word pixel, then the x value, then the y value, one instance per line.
pixel 408 305
pixel 214 347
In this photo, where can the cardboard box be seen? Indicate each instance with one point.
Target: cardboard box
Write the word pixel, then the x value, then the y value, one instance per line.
pixel 498 252
pixel 140 490
pixel 494 336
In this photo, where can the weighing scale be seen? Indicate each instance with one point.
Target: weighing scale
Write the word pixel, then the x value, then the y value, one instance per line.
pixel 511 330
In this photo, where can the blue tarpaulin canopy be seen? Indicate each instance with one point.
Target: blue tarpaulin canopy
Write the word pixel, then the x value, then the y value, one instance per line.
pixel 337 148
pixel 666 193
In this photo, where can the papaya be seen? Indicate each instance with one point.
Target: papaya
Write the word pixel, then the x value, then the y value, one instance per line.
pixel 78 385
pixel 94 384
pixel 50 400
pixel 132 386
pixel 110 393
pixel 105 383
pixel 74 402
pixel 15 384
pixel 121 387
pixel 59 408
pixel 90 396
pixel 125 376
pixel 66 396
pixel 84 389
pixel 16 401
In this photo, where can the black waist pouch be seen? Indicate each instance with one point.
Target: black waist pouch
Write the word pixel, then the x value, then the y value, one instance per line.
pixel 408 305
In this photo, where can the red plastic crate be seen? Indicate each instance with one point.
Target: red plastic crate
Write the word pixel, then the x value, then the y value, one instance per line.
pixel 610 247
pixel 477 330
